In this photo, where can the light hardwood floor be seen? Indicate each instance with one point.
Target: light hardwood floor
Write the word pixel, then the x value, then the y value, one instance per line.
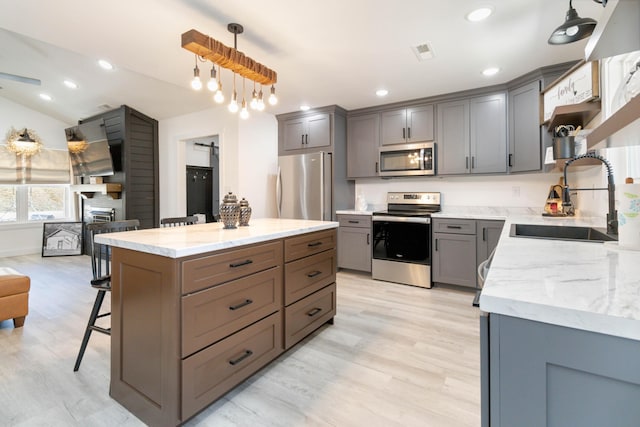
pixel 396 356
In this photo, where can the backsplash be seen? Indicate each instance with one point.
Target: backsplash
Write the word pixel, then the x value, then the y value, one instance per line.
pixel 524 190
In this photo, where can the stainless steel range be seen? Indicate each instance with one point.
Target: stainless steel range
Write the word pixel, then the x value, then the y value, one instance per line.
pixel 401 249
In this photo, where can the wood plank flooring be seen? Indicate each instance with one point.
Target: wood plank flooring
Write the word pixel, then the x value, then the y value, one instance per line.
pixel 396 356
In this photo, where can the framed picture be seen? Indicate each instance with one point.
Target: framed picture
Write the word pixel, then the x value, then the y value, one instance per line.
pixel 62 238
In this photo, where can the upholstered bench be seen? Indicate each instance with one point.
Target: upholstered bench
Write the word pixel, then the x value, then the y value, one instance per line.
pixel 14 296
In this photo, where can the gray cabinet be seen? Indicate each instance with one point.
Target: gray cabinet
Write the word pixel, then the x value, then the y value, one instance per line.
pixel 538 374
pixel 459 246
pixel 453 258
pixel 354 242
pixel 525 133
pixel 406 125
pixel 472 135
pixel 363 139
pixel 307 132
pixel 487 236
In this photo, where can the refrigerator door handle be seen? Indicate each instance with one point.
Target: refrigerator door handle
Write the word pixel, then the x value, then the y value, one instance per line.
pixel 279 192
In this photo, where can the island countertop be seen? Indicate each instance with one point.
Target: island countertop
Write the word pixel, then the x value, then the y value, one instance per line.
pixel 177 242
pixel 583 285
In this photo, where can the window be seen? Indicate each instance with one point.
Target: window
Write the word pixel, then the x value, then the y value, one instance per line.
pixel 24 203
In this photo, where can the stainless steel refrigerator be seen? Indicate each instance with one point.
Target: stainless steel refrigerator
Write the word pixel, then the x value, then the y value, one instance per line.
pixel 304 186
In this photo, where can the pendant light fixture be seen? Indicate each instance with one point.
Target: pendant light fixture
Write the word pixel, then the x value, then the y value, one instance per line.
pixel 573 29
pixel 206 48
pixel 26 142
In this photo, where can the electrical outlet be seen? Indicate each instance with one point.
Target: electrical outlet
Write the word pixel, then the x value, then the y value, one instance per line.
pixel 515 192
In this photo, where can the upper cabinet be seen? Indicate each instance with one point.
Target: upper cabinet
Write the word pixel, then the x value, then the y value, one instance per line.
pixel 405 125
pixel 472 135
pixel 301 132
pixel 525 153
pixel 363 140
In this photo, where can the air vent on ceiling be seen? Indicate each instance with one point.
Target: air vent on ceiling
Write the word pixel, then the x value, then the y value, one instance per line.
pixel 423 51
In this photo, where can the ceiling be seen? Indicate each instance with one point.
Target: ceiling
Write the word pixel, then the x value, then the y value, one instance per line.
pixel 325 52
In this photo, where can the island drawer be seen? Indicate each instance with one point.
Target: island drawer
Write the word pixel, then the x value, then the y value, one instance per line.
pixel 358 221
pixel 307 275
pixel 308 314
pixel 212 372
pixel 217 312
pixel 454 226
pixel 201 273
pixel 309 244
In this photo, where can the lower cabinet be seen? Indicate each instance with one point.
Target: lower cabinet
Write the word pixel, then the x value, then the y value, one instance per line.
pixel 354 242
pixel 186 331
pixel 538 374
pixel 459 246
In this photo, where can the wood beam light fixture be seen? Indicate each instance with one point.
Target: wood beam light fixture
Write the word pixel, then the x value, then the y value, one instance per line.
pixel 206 49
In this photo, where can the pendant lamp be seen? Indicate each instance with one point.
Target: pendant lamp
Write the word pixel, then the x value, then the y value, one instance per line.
pixel 573 29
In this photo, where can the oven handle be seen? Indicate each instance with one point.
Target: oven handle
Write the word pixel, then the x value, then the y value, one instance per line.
pixel 389 218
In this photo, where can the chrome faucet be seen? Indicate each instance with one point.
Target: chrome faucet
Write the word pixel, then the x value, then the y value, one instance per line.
pixel 612 215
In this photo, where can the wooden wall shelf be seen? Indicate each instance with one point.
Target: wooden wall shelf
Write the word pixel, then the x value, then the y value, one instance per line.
pixel 113 190
pixel 629 113
pixel 575 114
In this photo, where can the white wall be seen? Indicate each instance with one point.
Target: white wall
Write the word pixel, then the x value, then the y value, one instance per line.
pixel 21 239
pixel 248 154
pixel 524 190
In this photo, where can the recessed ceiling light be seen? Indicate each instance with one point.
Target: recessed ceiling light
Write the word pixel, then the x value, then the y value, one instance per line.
pixel 45 97
pixel 492 71
pixel 479 14
pixel 382 92
pixel 105 64
pixel 70 84
pixel 304 107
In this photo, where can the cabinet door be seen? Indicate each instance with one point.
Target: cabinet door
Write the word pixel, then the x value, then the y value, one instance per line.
pixel 294 133
pixel 393 129
pixel 318 131
pixel 363 139
pixel 354 248
pixel 487 238
pixel 488 133
pixel 452 151
pixel 454 259
pixel 420 124
pixel 525 152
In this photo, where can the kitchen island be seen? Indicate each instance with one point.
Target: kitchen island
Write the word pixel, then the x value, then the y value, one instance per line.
pixel 196 310
pixel 561 341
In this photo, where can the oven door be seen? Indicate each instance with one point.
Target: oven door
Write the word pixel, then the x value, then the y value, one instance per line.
pixel 401 250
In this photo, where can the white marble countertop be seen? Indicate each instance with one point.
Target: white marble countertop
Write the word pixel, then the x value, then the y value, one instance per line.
pixel 483 212
pixel 584 285
pixel 353 212
pixel 177 242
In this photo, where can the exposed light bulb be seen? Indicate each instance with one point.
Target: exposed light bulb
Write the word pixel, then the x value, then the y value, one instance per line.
pixel 212 84
pixel 273 99
pixel 219 96
pixel 196 83
pixel 260 101
pixel 233 105
pixel 254 100
pixel 244 113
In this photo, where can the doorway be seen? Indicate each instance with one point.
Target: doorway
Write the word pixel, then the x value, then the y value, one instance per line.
pixel 203 177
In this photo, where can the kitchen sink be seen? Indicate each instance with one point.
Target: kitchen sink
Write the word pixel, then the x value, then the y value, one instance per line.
pixel 558 232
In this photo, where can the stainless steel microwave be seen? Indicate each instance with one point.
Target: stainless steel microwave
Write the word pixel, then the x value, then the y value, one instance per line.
pixel 408 159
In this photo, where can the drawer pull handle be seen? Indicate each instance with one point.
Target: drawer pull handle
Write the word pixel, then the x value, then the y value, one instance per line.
pixel 246 354
pixel 314 312
pixel 314 244
pixel 455 227
pixel 242 304
pixel 314 274
pixel 241 263
pixel 351 221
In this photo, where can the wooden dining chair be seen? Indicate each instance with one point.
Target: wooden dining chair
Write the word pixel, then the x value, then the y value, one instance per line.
pixel 101 270
pixel 178 221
